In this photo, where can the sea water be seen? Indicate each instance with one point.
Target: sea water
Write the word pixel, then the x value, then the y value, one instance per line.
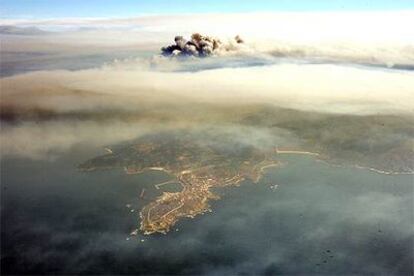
pixel 304 217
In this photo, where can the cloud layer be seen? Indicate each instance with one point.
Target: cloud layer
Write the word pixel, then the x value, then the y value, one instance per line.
pixel 308 61
pixel 369 37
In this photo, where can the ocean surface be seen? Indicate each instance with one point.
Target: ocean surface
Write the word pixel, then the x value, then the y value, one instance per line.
pixel 319 219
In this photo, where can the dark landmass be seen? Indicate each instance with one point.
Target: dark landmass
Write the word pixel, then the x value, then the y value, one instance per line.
pixel 197 164
pixel 13 30
pixel 384 142
pixel 200 160
pixel 18 62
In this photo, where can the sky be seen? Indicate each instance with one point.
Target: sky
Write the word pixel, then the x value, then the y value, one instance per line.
pixel 125 8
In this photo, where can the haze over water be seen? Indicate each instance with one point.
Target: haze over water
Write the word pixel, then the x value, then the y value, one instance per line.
pixel 337 83
pixel 320 219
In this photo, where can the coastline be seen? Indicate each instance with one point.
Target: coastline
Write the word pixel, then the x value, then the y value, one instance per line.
pixel 297 152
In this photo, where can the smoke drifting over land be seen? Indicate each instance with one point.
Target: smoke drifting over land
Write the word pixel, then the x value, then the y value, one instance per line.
pixel 342 70
pixel 340 84
pixel 364 38
pixel 199 46
pixel 154 92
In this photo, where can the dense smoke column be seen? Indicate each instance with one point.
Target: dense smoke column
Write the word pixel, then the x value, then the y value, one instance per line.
pixel 198 46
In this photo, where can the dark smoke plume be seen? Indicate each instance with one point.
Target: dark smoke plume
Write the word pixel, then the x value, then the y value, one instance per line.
pixel 198 46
